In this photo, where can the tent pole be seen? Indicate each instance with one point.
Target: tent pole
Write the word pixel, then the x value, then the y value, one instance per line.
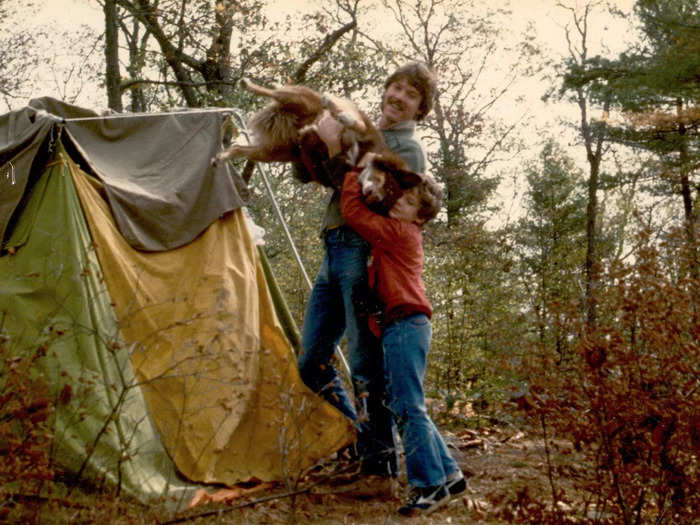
pixel 295 251
pixel 287 234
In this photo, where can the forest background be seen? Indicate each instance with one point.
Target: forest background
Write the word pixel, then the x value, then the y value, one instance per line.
pixel 563 268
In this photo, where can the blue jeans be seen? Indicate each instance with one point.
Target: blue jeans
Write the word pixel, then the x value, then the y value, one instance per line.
pixel 330 313
pixel 406 345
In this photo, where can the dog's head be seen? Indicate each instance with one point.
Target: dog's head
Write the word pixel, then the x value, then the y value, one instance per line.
pixel 383 181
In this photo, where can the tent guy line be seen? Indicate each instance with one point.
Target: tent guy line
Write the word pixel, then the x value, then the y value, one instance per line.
pixel 43 112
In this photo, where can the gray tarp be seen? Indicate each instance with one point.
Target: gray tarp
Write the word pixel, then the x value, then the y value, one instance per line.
pixel 155 168
pixel 21 139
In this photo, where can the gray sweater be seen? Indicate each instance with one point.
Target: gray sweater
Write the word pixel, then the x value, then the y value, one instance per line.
pixel 400 138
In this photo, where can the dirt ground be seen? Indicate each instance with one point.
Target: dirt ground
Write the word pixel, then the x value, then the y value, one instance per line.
pixel 499 462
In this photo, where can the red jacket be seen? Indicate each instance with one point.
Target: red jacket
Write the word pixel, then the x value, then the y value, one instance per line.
pixel 396 267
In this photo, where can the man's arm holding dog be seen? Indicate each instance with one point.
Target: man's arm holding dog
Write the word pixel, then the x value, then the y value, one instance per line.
pixel 332 168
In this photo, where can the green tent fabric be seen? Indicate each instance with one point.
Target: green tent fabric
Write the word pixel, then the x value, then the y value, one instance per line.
pixel 52 293
pixel 160 316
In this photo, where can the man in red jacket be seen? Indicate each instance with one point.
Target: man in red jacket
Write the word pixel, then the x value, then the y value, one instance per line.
pixel 396 275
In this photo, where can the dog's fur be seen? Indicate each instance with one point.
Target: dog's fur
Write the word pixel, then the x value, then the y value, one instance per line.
pixel 277 125
pixel 285 131
pixel 287 122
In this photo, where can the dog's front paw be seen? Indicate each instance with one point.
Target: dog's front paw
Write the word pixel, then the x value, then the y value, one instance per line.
pixel 232 152
pixel 221 156
pixel 218 158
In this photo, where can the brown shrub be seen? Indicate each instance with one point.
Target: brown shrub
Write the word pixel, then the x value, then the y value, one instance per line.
pixel 628 399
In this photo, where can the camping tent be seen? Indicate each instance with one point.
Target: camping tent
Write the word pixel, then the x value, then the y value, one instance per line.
pixel 127 255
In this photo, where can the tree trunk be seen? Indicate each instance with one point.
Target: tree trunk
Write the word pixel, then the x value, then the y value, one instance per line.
pixel 594 141
pixel 216 69
pixel 591 264
pixel 686 192
pixel 148 15
pixel 112 74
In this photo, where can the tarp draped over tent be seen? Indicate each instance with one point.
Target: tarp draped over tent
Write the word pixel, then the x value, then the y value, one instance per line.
pixel 156 169
pixel 139 273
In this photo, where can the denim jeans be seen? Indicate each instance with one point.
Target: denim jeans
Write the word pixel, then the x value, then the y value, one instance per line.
pixel 330 313
pixel 406 345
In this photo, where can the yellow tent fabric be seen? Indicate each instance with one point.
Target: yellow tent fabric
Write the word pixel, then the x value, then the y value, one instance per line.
pixel 217 372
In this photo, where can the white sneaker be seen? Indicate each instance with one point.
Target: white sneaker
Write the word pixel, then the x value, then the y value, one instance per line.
pixel 425 501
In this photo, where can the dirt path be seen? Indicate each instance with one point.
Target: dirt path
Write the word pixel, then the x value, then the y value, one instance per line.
pixel 498 464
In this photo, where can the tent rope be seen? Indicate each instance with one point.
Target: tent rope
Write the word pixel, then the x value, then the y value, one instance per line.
pixel 43 112
pixel 278 211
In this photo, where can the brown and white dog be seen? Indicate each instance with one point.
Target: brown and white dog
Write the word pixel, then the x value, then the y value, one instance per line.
pixel 285 131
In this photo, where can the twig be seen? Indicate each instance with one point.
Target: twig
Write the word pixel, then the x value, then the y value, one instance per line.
pixel 549 462
pixel 218 512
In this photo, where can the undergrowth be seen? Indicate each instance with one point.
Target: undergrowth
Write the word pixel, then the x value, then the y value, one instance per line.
pixel 627 398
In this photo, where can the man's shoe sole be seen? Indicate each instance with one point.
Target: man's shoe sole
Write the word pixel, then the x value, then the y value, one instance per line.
pixel 426 512
pixel 413 508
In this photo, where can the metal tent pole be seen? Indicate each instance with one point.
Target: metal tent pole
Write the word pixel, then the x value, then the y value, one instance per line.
pixel 288 235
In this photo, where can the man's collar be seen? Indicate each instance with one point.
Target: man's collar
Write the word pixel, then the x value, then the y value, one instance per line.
pixel 403 125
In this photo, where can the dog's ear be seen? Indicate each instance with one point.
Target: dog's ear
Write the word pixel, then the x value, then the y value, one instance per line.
pixel 407 179
pixel 388 162
pixel 398 169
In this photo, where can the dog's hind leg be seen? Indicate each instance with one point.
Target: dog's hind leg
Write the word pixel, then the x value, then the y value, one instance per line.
pixel 256 152
pixel 300 100
pixel 257 89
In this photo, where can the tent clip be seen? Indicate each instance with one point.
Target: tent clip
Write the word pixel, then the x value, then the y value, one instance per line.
pixel 10 173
